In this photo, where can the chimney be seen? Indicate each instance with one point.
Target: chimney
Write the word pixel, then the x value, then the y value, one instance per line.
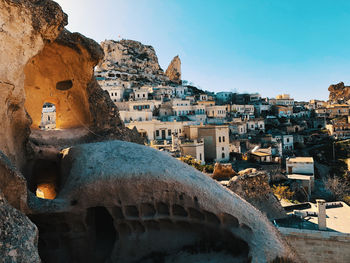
pixel 321 206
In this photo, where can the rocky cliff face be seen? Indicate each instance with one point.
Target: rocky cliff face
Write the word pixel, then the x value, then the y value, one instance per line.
pixel 174 70
pixel 133 62
pixel 18 235
pixel 339 93
pixel 25 27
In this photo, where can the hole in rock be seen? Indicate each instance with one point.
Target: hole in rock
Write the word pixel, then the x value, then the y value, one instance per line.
pixel 48 117
pixel 105 233
pixel 64 85
pixel 44 178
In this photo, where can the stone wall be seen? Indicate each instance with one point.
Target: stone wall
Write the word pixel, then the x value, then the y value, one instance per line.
pixel 319 246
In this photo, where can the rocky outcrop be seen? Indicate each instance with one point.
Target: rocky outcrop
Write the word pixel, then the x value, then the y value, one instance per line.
pixel 339 93
pixel 174 70
pixel 132 62
pixel 25 28
pixel 254 187
pixel 120 199
pixel 113 200
pixel 18 235
pixel 223 172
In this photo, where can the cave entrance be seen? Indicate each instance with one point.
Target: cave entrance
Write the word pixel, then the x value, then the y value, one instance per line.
pixel 45 179
pixel 105 233
pixel 48 117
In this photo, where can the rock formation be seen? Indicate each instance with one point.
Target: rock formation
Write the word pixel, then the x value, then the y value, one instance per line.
pixel 174 70
pixel 18 235
pixel 339 93
pixel 223 172
pixel 254 187
pixel 25 27
pixel 114 201
pixel 152 206
pixel 132 62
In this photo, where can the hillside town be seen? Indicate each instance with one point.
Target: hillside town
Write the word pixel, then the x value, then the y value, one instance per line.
pixel 106 157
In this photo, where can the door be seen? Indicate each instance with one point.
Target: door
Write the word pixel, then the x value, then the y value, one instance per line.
pixel 163 134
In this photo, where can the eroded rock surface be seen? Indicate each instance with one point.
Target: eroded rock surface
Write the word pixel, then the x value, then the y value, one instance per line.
pixel 339 93
pixel 25 27
pixel 254 187
pixel 174 70
pixel 131 61
pixel 156 205
pixel 18 235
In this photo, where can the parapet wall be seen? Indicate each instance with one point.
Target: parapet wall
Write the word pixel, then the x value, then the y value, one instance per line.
pixel 319 246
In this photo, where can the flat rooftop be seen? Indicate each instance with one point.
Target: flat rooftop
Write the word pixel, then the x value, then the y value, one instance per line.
pixel 338 217
pixel 302 177
pixel 301 160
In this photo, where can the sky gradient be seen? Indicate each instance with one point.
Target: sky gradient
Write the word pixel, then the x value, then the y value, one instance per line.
pixel 268 46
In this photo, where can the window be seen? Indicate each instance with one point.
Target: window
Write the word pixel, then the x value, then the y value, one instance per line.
pixel 179 130
pixel 219 138
pixel 223 148
pixel 143 95
pixel 200 156
pixel 169 132
pixel 157 133
pixel 287 139
pixel 223 155
pixel 223 138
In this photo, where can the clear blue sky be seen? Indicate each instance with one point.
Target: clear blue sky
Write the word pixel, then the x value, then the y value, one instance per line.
pixel 298 47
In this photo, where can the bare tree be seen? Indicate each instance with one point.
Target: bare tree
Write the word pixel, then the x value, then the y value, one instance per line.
pixel 338 187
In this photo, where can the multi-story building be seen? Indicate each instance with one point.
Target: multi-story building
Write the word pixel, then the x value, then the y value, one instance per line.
pixel 340 129
pixel 283 111
pixel 256 125
pixel 238 128
pixel 159 130
pixel 216 111
pixel 283 100
pixel 224 96
pixel 215 138
pixel 244 110
pixel 48 117
pixel 194 149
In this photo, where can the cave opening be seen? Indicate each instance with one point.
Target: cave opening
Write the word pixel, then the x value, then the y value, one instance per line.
pixel 48 117
pixel 44 178
pixel 105 233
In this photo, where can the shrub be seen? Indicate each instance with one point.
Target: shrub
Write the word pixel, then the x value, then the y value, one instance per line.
pixel 282 192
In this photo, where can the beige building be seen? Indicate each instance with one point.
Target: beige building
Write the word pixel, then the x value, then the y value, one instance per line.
pixel 158 130
pixel 215 138
pixel 48 117
pixel 216 111
pixel 243 109
pixel 194 149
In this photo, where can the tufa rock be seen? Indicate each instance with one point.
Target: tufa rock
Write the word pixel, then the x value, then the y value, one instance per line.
pixel 254 187
pixel 174 70
pixel 25 28
pixel 339 93
pixel 136 194
pixel 223 171
pixel 133 62
pixel 18 235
